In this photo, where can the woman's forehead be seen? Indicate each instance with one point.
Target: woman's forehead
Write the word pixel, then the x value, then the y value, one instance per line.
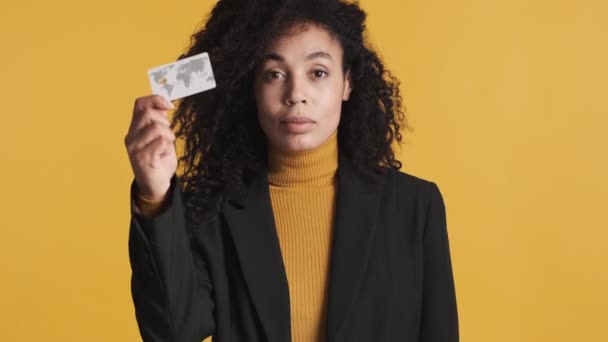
pixel 305 41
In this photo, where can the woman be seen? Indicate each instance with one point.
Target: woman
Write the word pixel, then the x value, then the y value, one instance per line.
pixel 291 221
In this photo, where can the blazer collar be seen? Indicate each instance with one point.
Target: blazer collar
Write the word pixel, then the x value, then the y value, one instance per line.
pixel 251 223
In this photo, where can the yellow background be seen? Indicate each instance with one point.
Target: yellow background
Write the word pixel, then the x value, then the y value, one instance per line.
pixel 508 101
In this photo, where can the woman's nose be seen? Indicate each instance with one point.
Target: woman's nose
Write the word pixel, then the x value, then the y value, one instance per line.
pixel 295 92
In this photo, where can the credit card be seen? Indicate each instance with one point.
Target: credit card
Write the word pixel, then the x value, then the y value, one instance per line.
pixel 183 78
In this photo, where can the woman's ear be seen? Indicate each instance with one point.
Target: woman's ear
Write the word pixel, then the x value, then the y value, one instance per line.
pixel 347 86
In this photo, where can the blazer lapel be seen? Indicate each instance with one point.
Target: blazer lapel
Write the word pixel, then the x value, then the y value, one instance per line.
pixel 251 223
pixel 357 204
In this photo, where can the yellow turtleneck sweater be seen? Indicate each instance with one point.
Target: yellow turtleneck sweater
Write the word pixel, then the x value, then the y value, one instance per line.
pixel 302 192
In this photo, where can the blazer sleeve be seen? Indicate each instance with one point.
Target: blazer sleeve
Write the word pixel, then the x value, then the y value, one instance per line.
pixel 439 322
pixel 171 290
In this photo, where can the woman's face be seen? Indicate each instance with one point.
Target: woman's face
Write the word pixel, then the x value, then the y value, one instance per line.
pixel 299 88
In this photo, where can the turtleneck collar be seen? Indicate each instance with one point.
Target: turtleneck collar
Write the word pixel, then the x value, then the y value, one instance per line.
pixel 310 168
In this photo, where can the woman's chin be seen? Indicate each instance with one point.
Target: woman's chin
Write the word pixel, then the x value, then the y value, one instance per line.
pixel 297 143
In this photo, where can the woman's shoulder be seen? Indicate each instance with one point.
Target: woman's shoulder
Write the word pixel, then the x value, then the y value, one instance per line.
pixel 408 183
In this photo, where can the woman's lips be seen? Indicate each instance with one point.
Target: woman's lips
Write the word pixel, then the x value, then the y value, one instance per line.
pixel 298 124
pixel 298 119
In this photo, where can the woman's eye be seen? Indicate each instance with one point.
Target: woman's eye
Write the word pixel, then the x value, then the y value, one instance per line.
pixel 319 73
pixel 273 75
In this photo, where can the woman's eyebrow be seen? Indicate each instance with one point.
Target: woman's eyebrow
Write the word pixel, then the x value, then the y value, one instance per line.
pixel 318 54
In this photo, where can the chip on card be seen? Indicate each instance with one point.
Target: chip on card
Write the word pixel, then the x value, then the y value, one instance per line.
pixel 183 78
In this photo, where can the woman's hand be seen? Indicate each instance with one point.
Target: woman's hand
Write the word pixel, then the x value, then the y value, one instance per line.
pixel 150 144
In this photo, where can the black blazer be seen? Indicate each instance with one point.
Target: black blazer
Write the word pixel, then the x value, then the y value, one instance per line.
pixel 390 276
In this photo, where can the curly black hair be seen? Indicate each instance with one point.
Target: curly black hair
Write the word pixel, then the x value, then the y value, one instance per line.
pixel 223 141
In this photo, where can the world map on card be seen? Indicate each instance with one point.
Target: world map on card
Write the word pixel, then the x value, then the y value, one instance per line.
pixel 182 78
